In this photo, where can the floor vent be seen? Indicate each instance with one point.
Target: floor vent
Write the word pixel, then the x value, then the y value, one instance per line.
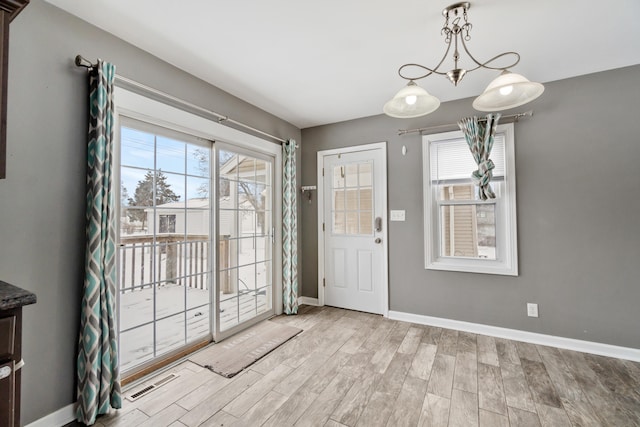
pixel 148 389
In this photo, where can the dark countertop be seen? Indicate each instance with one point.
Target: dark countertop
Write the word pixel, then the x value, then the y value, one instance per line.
pixel 14 297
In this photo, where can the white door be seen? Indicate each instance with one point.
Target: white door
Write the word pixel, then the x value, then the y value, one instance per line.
pixel 354 224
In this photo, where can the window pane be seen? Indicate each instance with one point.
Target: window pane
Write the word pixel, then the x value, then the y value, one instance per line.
pixel 351 175
pixel 198 323
pixel 338 200
pixel 263 170
pixel 352 223
pixel 339 222
pixel 338 176
pixel 352 199
pixel 228 164
pixel 136 148
pixel 366 202
pixel 198 160
pixel 457 192
pixel 365 174
pixel 170 333
pixel 247 169
pixel 170 155
pixel 468 231
pixel 170 188
pixel 366 222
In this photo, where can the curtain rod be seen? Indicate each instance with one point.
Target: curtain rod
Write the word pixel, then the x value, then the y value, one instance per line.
pixel 512 118
pixel 80 61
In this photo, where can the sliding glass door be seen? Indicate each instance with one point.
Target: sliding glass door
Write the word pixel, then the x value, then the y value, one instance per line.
pixel 165 243
pixel 245 238
pixel 181 236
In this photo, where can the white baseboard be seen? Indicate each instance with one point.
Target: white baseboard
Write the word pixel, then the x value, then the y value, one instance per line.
pixel 308 301
pixel 517 335
pixel 59 418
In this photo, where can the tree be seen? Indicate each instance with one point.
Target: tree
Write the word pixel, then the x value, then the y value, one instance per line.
pixel 202 157
pixel 143 196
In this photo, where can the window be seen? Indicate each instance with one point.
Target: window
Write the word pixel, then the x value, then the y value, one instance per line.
pixel 167 224
pixel 352 189
pixel 462 232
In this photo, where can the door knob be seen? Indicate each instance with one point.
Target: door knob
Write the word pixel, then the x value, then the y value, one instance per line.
pixel 378 240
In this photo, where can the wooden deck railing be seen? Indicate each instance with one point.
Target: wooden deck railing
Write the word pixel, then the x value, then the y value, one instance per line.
pixel 178 259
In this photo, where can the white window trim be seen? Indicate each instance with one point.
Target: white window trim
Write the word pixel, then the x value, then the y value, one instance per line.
pixel 506 262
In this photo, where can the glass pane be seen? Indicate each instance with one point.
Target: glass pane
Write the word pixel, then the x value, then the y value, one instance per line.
pixel 339 222
pixel 245 225
pixel 136 346
pixel 170 265
pixel 366 200
pixel 228 165
pixel 338 176
pixel 338 200
pixel 352 199
pixel 263 274
pixel 136 307
pixel 247 169
pixel 365 174
pixel 468 231
pixel 136 148
pixel 228 249
pixel 366 222
pixel 457 192
pixel 198 160
pixel 170 299
pixel 194 253
pixel 198 323
pixel 247 278
pixel 247 253
pixel 170 333
pixel 229 313
pixel 198 292
pixel 351 175
pixel 164 234
pixel 170 155
pixel 170 189
pixel 198 190
pixel 263 248
pixel 264 299
pixel 263 171
pixel 136 187
pixel 352 223
pixel 136 261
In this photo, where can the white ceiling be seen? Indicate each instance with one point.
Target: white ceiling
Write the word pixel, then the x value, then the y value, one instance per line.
pixel 317 62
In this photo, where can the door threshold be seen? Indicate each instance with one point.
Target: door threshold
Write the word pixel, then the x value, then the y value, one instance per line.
pixel 162 364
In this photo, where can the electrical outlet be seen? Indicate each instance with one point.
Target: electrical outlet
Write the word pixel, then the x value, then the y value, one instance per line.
pixel 532 309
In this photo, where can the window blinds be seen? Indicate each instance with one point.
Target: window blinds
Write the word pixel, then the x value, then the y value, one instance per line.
pixel 452 160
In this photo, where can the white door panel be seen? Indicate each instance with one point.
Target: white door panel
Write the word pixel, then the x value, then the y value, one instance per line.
pixel 354 247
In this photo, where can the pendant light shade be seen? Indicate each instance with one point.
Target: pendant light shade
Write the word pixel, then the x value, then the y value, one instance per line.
pixel 411 101
pixel 508 90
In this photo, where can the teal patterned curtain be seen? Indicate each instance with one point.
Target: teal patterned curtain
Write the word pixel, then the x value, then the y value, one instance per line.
pixel 289 229
pixel 479 135
pixel 97 364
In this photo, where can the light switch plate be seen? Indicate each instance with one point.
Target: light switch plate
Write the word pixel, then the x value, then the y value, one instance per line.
pixel 396 215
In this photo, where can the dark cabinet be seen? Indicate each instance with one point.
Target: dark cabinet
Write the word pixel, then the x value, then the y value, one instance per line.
pixel 11 301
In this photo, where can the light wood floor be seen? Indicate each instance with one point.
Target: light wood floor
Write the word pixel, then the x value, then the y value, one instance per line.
pixel 356 369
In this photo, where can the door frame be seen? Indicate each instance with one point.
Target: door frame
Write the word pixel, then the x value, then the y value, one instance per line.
pixel 321 220
pixel 274 153
pixel 140 106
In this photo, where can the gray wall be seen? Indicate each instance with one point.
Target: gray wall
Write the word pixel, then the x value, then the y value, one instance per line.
pixel 43 198
pixel 578 193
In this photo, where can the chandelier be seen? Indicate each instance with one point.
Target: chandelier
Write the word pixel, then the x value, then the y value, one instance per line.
pixel 508 90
